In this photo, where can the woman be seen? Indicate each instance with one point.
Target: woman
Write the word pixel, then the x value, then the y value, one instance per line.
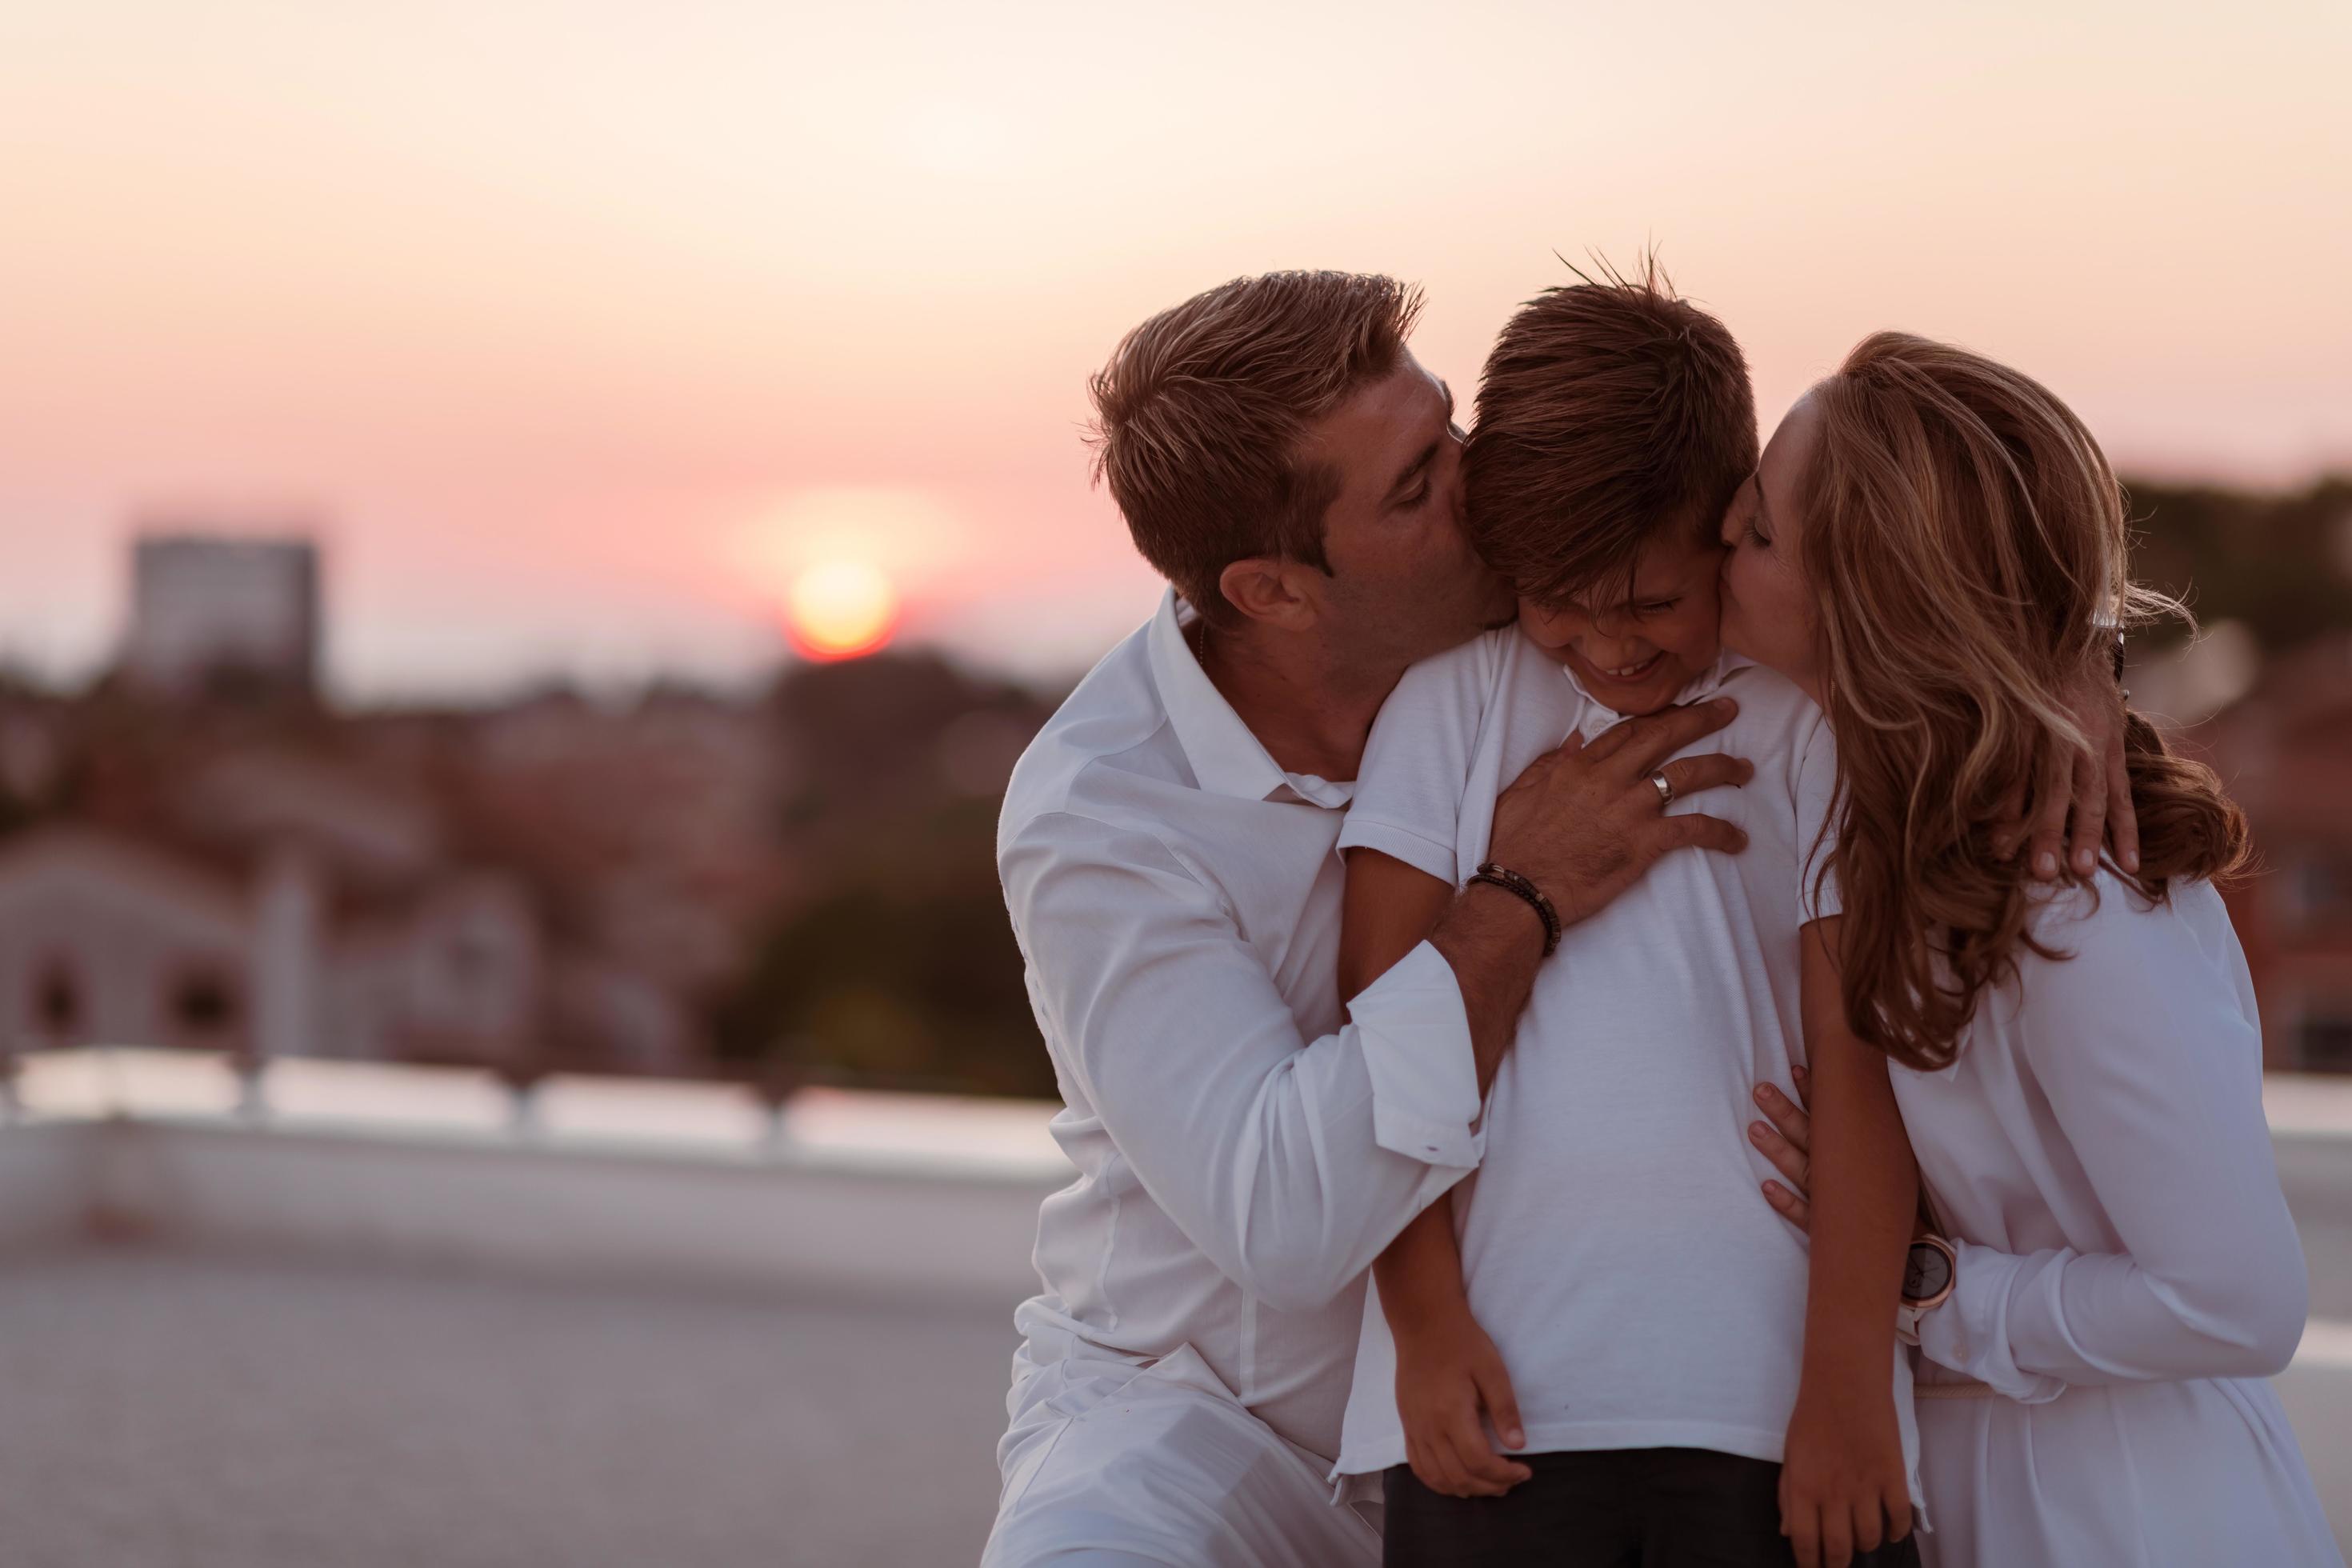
pixel 1932 547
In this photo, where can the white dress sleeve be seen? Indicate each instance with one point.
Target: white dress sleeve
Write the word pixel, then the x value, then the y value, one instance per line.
pixel 2151 1064
pixel 1409 788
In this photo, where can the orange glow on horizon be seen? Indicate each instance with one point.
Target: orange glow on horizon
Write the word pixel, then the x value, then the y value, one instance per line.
pixel 584 331
pixel 841 609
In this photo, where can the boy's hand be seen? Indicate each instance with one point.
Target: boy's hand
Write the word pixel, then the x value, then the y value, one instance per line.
pixel 1446 1375
pixel 1842 1484
pixel 1843 1488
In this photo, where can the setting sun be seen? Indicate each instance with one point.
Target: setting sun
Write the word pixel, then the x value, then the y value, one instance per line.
pixel 839 609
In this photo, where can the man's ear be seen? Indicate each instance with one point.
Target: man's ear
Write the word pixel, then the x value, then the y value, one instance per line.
pixel 1270 591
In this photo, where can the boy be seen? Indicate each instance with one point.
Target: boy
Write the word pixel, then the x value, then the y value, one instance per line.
pixel 1650 1309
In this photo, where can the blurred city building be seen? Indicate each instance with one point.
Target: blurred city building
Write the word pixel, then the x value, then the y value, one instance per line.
pixel 208 608
pixel 268 905
pixel 798 884
pixel 2286 749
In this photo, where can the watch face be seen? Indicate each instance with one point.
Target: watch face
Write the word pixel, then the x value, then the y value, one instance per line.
pixel 1925 1272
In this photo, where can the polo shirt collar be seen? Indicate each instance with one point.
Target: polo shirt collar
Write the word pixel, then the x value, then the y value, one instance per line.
pixel 1225 756
pixel 1600 718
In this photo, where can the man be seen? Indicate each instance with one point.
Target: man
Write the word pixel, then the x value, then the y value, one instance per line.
pixel 1245 1148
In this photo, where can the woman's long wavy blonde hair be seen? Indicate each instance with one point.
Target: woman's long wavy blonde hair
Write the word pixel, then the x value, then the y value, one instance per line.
pixel 1964 538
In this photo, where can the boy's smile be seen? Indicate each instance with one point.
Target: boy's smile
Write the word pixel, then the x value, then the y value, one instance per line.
pixel 1636 655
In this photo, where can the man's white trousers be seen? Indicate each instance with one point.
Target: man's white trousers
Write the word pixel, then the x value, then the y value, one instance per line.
pixel 1107 1463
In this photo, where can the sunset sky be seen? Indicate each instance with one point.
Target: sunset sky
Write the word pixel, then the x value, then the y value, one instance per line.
pixel 583 329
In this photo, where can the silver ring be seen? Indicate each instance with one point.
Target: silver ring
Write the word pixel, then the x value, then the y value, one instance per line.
pixel 1665 786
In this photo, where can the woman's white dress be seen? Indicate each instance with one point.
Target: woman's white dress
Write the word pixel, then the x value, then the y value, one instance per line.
pixel 2128 1273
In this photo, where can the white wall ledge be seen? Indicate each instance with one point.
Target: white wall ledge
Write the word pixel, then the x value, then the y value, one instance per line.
pixel 617 1179
pixel 924 1136
pixel 610 1180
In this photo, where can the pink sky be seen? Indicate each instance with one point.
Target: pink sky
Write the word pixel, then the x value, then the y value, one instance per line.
pixel 580 326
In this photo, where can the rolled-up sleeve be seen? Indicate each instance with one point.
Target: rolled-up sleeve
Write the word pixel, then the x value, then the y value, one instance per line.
pixel 1289 1163
pixel 1415 1040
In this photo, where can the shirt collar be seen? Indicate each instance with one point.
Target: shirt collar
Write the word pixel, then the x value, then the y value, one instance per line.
pixel 1225 756
pixel 1599 718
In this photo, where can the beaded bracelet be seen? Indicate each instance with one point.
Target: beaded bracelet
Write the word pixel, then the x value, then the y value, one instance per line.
pixel 1510 881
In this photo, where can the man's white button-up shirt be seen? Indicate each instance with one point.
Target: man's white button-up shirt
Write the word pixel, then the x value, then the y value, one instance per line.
pixel 1245 1146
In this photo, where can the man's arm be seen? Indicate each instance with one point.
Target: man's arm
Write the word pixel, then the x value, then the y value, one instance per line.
pixel 1289 1163
pixel 1492 941
pixel 1843 1484
pixel 1389 909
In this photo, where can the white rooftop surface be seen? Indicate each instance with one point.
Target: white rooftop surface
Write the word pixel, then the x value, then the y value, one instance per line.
pixel 379 1326
pixel 198 1409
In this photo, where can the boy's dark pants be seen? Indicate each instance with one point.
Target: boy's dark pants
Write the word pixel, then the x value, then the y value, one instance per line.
pixel 1621 1508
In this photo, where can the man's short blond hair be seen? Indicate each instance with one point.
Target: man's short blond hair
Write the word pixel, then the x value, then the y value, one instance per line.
pixel 1200 414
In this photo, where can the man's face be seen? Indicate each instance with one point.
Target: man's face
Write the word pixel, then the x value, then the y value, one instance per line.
pixel 1404 582
pixel 1634 656
pixel 1767 608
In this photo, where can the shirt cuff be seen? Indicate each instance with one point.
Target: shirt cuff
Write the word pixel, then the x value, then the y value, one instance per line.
pixel 1969 1332
pixel 1421 854
pixel 1416 1038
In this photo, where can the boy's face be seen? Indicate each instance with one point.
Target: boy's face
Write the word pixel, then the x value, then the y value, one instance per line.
pixel 1635 656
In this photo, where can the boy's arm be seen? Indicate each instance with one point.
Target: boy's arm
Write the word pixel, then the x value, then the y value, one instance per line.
pixel 1447 1368
pixel 1844 1486
pixel 1388 909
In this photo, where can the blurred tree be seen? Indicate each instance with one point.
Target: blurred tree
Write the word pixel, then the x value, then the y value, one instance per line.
pixel 903 973
pixel 2281 564
pixel 893 963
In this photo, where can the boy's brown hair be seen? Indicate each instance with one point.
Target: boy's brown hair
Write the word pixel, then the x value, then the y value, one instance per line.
pixel 1202 410
pixel 1611 410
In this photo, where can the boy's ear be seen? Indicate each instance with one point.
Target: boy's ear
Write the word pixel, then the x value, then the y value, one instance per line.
pixel 1270 591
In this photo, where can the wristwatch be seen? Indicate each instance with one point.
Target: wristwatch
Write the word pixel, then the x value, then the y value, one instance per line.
pixel 1928 1272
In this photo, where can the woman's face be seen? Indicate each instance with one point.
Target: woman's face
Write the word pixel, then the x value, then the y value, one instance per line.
pixel 1767 605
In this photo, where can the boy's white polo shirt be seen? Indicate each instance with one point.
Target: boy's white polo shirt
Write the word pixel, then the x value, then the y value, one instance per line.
pixel 1616 1242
